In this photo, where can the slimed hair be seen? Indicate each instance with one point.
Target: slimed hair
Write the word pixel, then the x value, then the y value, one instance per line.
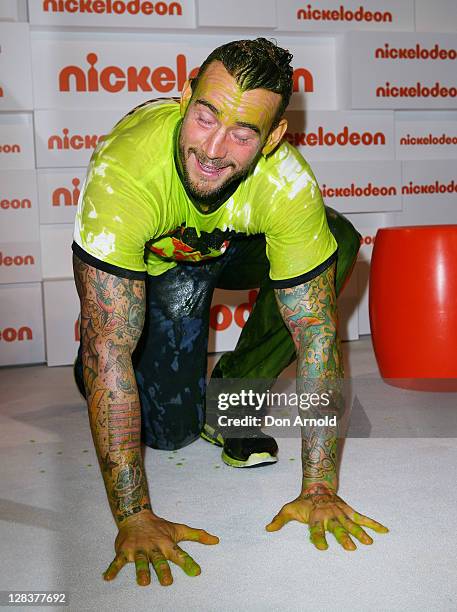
pixel 255 64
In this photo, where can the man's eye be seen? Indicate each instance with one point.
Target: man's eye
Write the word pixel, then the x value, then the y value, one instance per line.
pixel 242 138
pixel 204 120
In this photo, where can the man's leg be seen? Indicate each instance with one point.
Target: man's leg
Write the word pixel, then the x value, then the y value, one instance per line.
pixel 265 346
pixel 171 359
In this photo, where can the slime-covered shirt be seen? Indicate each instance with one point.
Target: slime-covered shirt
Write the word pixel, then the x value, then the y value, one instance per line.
pixel 135 217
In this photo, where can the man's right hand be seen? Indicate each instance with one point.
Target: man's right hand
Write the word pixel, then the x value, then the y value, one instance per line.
pixel 147 538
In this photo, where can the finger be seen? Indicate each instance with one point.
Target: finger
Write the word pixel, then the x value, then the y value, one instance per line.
pixel 355 530
pixel 317 535
pixel 361 519
pixel 185 561
pixel 366 521
pixel 143 574
pixel 278 522
pixel 115 566
pixel 341 535
pixel 196 535
pixel 161 567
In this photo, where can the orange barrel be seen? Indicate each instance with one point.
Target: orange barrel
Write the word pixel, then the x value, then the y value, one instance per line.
pixel 413 306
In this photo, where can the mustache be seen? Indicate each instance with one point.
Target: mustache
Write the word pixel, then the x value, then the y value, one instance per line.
pixel 218 164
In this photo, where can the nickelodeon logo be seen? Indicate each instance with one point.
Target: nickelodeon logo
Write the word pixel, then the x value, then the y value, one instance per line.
pixel 163 79
pixel 116 7
pixel 5 204
pixel 9 334
pixel 328 138
pixel 417 52
pixel 16 260
pixel 77 142
pixel 66 197
pixel 416 91
pixel 343 14
pixel 435 187
pixel 431 139
pixel 221 317
pixel 355 191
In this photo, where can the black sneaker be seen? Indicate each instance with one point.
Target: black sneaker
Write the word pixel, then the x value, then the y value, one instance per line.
pixel 255 450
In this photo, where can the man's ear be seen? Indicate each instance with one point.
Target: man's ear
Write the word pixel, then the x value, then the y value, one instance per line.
pixel 274 137
pixel 186 95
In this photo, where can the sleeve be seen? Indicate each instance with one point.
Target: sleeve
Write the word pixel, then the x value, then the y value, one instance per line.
pixel 114 219
pixel 300 244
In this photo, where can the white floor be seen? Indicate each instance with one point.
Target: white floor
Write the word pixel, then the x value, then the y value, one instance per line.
pixel 57 532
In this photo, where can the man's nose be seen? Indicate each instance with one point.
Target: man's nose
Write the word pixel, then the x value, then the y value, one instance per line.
pixel 214 146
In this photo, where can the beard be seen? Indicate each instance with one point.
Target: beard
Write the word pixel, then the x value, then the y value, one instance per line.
pixel 211 196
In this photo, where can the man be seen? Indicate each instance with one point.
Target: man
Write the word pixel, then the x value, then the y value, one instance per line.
pixel 170 196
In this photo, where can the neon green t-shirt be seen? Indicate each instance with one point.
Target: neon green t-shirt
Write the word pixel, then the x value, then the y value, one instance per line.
pixel 135 215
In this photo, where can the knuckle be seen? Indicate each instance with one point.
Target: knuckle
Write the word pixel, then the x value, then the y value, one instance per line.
pixel 122 555
pixel 158 556
pixel 172 551
pixel 140 552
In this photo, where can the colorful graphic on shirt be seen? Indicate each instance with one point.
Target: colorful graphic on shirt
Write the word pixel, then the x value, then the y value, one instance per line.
pixel 185 244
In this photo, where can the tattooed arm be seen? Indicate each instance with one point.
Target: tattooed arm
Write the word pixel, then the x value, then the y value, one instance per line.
pixel 112 317
pixel 310 313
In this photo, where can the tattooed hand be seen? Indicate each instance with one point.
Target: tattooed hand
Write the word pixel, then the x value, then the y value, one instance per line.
pixel 323 511
pixel 150 539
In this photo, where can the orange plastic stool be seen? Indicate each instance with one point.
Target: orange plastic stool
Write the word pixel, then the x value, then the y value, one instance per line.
pixel 413 306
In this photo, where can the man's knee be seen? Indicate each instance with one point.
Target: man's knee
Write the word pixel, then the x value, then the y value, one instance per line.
pixel 171 417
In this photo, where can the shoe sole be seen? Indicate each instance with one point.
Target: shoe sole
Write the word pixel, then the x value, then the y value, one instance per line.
pixel 254 460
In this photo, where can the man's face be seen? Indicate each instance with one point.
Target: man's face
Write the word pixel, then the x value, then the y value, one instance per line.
pixel 223 132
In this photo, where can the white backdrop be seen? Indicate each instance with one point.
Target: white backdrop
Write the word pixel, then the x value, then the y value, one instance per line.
pixel 374 110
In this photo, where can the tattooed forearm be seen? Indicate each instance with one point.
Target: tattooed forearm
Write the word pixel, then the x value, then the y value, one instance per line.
pixel 319 457
pixel 112 317
pixel 309 311
pixel 130 492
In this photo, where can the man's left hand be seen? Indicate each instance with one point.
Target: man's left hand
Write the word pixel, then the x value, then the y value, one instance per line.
pixel 325 511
